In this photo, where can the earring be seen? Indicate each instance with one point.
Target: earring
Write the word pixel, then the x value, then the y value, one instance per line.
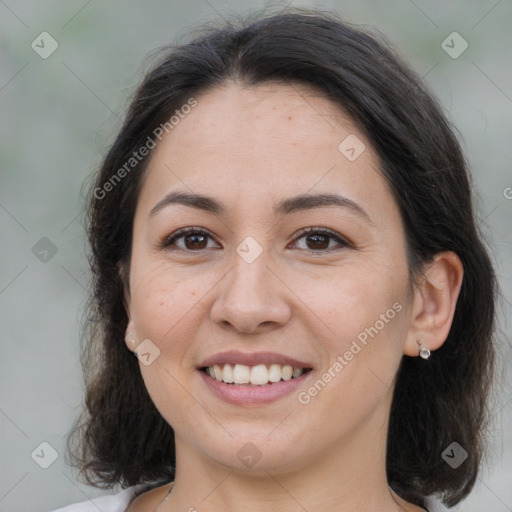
pixel 424 352
pixel 127 335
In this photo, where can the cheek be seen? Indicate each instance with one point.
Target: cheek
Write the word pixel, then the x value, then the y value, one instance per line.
pixel 354 297
pixel 165 305
pixel 363 356
pixel 166 309
pixel 364 313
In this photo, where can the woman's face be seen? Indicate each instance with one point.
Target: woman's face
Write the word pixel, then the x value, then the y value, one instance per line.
pixel 250 287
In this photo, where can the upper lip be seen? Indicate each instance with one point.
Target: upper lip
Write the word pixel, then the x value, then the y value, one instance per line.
pixel 252 359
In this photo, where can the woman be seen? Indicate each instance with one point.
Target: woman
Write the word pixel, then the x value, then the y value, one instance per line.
pixel 283 235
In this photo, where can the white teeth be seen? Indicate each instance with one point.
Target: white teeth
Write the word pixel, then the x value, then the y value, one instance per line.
pixel 241 374
pixel 257 375
pixel 217 370
pixel 227 374
pixel 286 372
pixel 274 373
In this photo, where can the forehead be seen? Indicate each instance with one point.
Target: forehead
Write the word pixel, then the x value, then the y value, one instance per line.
pixel 240 115
pixel 262 142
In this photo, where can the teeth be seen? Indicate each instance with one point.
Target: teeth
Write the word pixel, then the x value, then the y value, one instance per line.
pixel 297 372
pixel 258 375
pixel 241 374
pixel 274 373
pixel 286 372
pixel 228 374
pixel 217 372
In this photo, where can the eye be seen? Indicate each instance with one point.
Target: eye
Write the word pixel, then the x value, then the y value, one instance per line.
pixel 194 239
pixel 319 239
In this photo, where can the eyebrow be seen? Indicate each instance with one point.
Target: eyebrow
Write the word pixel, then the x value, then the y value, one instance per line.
pixel 285 207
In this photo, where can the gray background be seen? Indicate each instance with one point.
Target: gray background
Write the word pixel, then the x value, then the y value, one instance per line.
pixel 58 116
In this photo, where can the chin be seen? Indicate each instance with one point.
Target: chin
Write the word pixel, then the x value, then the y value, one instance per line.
pixel 255 449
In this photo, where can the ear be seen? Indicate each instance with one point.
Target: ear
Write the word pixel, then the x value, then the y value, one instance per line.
pixel 130 337
pixel 435 298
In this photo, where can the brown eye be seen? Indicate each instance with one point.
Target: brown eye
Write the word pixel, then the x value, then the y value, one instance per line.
pixel 195 241
pixel 192 239
pixel 319 239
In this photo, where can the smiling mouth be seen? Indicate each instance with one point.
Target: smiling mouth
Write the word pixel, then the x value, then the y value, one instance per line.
pixel 258 375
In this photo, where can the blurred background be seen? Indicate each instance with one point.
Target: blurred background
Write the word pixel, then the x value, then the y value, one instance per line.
pixel 67 68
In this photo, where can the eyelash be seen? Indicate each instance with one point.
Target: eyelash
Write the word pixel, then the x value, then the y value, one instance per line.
pixel 343 243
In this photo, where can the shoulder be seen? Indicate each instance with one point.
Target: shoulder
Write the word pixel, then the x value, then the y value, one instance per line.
pixel 150 500
pixel 111 503
pixel 434 506
pixel 138 497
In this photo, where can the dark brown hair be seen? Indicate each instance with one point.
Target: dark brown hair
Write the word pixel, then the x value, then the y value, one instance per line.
pixel 121 437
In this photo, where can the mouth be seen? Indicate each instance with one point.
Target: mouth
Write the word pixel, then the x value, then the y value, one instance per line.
pixel 257 375
pixel 241 378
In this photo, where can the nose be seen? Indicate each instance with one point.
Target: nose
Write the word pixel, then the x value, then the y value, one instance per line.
pixel 251 297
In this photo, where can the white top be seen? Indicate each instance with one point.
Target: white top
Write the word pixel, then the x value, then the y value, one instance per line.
pixel 119 503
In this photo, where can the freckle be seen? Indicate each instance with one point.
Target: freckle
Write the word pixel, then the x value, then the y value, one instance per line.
pixel 162 303
pixel 289 118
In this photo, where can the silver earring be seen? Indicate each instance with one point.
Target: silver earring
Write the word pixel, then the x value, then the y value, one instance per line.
pixel 127 335
pixel 424 352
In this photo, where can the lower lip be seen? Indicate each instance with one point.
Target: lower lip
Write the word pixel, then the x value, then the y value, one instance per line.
pixel 243 394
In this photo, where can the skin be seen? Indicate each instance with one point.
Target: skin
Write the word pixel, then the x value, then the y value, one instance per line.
pixel 250 147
